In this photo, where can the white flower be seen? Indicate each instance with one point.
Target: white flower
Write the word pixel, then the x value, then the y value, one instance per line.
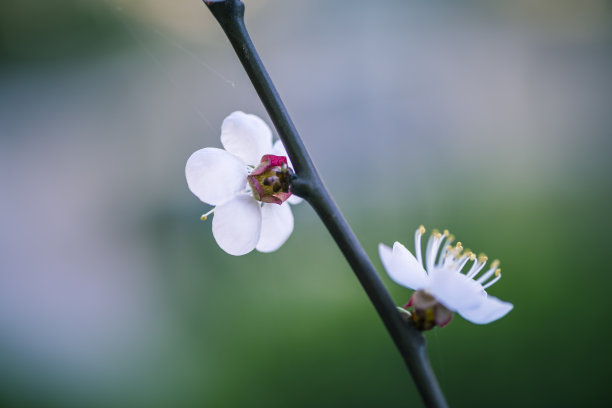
pixel 440 277
pixel 219 177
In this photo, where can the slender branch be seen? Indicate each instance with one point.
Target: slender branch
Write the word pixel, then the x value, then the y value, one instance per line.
pixel 409 341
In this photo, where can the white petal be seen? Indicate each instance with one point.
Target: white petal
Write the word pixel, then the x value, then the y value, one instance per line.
pixel 276 226
pixel 403 267
pixel 237 224
pixel 214 175
pixel 489 310
pixel 246 136
pixel 455 290
pixel 293 200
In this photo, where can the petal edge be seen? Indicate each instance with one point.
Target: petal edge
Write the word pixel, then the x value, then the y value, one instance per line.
pixel 276 227
pixel 214 175
pixel 247 136
pixel 402 267
pixel 490 310
pixel 236 225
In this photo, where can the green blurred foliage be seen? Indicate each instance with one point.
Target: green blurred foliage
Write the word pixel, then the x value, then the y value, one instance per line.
pixel 295 328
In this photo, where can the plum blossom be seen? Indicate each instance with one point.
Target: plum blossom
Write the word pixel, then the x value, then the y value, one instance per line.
pixel 442 283
pixel 247 182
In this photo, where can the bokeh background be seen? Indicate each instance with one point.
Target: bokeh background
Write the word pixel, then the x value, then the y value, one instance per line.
pixel 491 119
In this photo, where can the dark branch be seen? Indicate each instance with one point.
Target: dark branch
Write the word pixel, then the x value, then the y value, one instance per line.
pixel 307 183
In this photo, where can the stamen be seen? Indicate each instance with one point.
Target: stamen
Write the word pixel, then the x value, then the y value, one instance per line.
pixel 443 258
pixel 430 242
pixel 205 216
pixel 470 254
pixel 492 281
pixel 417 244
pixel 447 258
pixel 454 252
pixel 268 181
pixel 476 267
pixel 432 250
pixel 464 260
pixel 487 274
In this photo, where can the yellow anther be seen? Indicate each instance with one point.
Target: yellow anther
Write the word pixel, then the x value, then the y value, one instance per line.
pixel 495 263
pixel 450 238
pixel 422 229
pixel 446 233
pixel 472 256
pixel 449 247
pixel 498 272
pixel 482 258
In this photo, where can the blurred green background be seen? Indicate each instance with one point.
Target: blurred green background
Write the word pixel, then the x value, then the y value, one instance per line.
pixel 491 119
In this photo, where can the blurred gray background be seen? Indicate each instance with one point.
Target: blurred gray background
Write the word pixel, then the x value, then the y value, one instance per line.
pixel 491 119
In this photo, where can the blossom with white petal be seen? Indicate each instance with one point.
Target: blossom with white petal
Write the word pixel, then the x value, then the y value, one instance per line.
pixel 247 182
pixel 442 282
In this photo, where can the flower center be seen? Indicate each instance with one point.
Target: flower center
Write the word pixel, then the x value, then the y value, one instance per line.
pixel 427 312
pixel 270 180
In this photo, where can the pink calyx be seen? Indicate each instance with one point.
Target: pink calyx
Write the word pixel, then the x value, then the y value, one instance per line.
pixel 270 180
pixel 427 312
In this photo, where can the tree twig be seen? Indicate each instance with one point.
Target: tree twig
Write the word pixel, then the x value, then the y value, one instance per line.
pixel 308 184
